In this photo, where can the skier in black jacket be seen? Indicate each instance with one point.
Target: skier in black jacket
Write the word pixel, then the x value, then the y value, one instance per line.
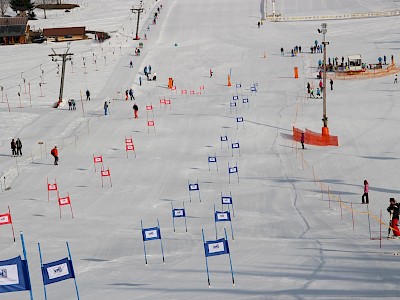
pixel 393 209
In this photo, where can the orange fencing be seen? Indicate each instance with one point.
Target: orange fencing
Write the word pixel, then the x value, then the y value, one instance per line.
pixel 316 139
pixel 369 73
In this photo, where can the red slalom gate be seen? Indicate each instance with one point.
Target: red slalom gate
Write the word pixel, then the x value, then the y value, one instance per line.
pixel 191 92
pixel 168 102
pixel 129 146
pixel 97 160
pixel 148 109
pixel 162 101
pixel 65 201
pixel 6 219
pixel 105 173
pixel 51 187
pixel 150 123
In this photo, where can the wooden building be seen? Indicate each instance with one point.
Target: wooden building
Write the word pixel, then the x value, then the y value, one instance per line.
pixel 13 30
pixel 64 34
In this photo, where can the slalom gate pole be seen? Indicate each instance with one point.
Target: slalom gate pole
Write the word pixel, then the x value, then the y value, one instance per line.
pixel 41 265
pixel 230 259
pixel 144 243
pixel 369 223
pixel 380 229
pixel 232 230
pixel 27 265
pixel 352 213
pixel 215 224
pixel 329 199
pixel 12 226
pixel 76 284
pixel 185 215
pixel 173 218
pixel 162 248
pixel 233 210
pixel 208 273
pixel 313 172
pixel 341 208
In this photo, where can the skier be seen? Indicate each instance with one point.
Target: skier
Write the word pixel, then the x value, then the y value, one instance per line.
pixel 13 147
pixel 149 68
pixel 54 152
pixel 308 88
pixel 365 195
pixel 331 83
pixel 140 80
pixel 211 73
pixel 126 95
pixel 384 59
pixel 395 79
pixel 302 140
pixel 312 93
pixel 393 209
pixel 73 104
pixel 155 76
pixel 258 24
pixel 135 110
pixel 145 71
pixel 282 51
pixel 318 93
pixel 87 95
pixel 69 104
pixel 18 144
pixel 105 108
pixel 321 86
pixel 131 65
pixel 131 94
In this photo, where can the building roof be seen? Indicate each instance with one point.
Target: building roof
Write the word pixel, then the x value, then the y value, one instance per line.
pixel 63 31
pixel 13 26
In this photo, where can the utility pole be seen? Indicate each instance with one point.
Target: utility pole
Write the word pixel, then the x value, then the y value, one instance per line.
pixel 138 11
pixel 44 9
pixel 325 43
pixel 64 56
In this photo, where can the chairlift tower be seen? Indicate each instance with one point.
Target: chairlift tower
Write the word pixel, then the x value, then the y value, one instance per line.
pixel 64 56
pixel 138 11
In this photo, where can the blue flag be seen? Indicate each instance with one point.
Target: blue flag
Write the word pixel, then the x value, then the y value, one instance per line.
pixel 233 170
pixel 226 199
pixel 224 138
pixel 233 104
pixel 14 275
pixel 152 233
pixel 193 187
pixel 57 271
pixel 212 159
pixel 221 216
pixel 234 98
pixel 239 119
pixel 178 213
pixel 217 247
pixel 245 100
pixel 235 145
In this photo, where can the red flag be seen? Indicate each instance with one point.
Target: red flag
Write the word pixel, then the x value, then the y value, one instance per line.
pixel 173 88
pixel 150 123
pixel 64 201
pixel 5 219
pixel 191 92
pixel 52 187
pixel 130 147
pixel 149 107
pixel 184 91
pixel 129 141
pixel 162 101
pixel 97 159
pixel 167 102
pixel 105 173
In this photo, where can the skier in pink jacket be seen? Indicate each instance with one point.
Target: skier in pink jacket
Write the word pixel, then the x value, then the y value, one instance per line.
pixel 364 197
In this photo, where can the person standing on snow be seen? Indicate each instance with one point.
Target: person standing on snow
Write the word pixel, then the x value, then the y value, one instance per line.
pixel 87 95
pixel 365 195
pixel 393 209
pixel 13 147
pixel 145 71
pixel 395 79
pixel 135 110
pixel 302 140
pixel 149 68
pixel 331 83
pixel 321 86
pixel 282 52
pixel 308 88
pixel 126 95
pixel 131 64
pixel 54 152
pixel 140 80
pixel 131 94
pixel 211 73
pixel 155 76
pixel 18 144
pixel 105 108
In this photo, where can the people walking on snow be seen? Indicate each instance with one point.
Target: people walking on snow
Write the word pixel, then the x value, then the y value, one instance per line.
pixel 131 94
pixel 393 209
pixel 105 108
pixel 13 147
pixel 364 198
pixel 54 152
pixel 135 110
pixel 302 140
pixel 87 95
pixel 18 145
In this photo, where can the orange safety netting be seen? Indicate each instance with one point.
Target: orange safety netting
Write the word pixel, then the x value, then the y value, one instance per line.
pixel 313 138
pixel 369 73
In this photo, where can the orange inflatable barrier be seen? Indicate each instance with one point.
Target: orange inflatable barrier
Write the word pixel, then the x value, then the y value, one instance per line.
pixel 229 80
pixel 296 72
pixel 316 139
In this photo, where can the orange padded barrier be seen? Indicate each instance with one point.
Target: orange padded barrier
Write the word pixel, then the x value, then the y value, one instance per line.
pixel 316 139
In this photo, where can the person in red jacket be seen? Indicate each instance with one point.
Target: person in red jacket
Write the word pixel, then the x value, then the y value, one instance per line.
pixel 365 195
pixel 54 152
pixel 393 209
